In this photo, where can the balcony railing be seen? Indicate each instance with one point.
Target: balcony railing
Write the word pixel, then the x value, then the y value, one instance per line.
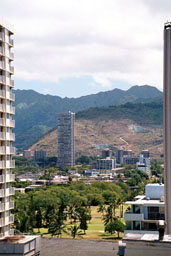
pixel 2 65
pixel 2 178
pixel 1 37
pixel 2 107
pixel 9 150
pixel 11 69
pixel 11 232
pixel 1 222
pixel 1 50
pixel 11 219
pixel 2 135
pixel 11 191
pixel 9 122
pixel 11 42
pixel 12 83
pixel 12 177
pixel 2 79
pixel 7 164
pixel 10 109
pixel 11 205
pixel 11 55
pixel 10 136
pixel 156 216
pixel 1 192
pixel 12 96
pixel 2 93
pixel 2 207
pixel 2 121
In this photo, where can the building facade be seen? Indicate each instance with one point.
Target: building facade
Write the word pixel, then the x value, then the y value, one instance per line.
pixel 105 164
pixel 66 150
pixel 146 211
pixel 40 155
pixel 6 125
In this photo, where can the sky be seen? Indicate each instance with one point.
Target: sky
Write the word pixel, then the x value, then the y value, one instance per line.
pixel 72 48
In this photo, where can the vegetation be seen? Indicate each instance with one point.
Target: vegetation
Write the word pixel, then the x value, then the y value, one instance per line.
pixel 115 225
pixel 152 113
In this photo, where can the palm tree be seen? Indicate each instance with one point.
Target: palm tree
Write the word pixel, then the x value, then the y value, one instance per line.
pixel 74 231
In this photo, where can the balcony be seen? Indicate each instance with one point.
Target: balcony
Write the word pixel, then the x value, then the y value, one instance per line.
pixel 1 36
pixel 10 109
pixel 155 216
pixel 11 55
pixel 2 135
pixel 130 216
pixel 10 136
pixel 2 121
pixel 1 51
pixel 11 191
pixel 2 107
pixel 2 179
pixel 9 123
pixel 7 164
pixel 11 69
pixel 10 177
pixel 1 192
pixel 11 219
pixel 2 65
pixel 12 83
pixel 2 150
pixel 2 164
pixel 2 207
pixel 2 79
pixel 10 164
pixel 11 205
pixel 10 150
pixel 11 42
pixel 1 222
pixel 2 93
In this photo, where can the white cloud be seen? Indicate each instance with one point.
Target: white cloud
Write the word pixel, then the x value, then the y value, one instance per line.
pixel 106 39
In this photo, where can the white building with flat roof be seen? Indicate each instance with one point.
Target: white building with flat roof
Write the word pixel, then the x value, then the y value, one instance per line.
pixel 146 210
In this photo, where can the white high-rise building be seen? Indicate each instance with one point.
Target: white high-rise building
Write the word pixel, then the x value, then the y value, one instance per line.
pixel 66 151
pixel 6 125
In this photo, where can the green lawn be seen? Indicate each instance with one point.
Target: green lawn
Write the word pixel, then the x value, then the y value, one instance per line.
pixel 95 227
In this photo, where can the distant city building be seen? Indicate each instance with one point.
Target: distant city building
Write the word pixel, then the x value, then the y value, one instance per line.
pixel 66 151
pixel 146 210
pixel 144 162
pixel 145 153
pixel 106 153
pixel 28 154
pixel 123 153
pixel 129 160
pixel 105 164
pixel 91 172
pixel 40 155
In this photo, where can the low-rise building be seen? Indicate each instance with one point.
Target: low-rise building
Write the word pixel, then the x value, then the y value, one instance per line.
pixel 105 164
pixel 28 154
pixel 146 210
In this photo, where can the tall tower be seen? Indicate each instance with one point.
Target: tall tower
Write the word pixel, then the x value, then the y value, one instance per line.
pixel 167 123
pixel 6 125
pixel 66 152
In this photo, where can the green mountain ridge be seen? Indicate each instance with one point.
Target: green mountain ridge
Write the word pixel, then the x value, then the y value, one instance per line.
pixel 36 114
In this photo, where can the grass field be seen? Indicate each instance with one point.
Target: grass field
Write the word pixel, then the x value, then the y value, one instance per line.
pixel 95 228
